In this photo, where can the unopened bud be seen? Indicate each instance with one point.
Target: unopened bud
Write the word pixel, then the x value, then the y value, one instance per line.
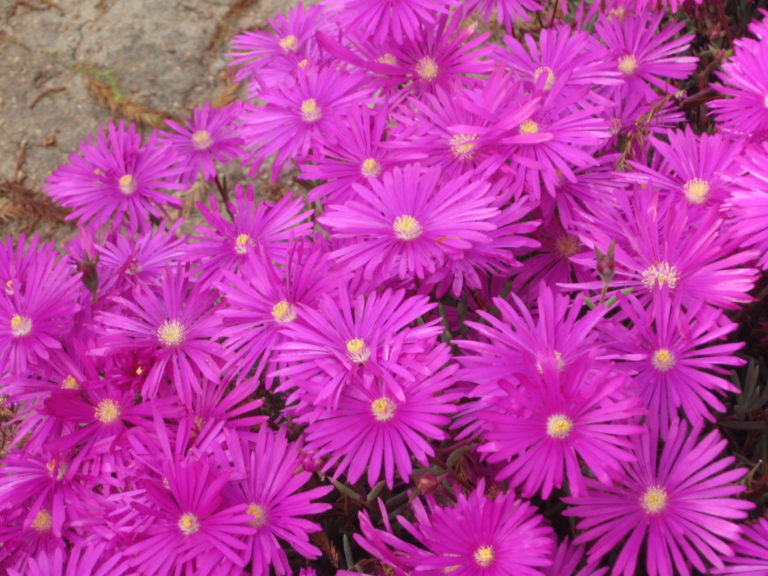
pixel 426 483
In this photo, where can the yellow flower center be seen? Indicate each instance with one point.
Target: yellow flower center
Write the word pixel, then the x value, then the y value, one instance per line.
pixel 550 81
pixel 241 243
pixel 654 500
pixel 303 63
pixel 383 409
pixel 406 227
pixel 663 359
pixel 463 145
pixel 42 521
pixel 107 411
pixel 357 351
pixel 370 168
pixel 171 333
pixel 69 383
pixel 289 43
pixel 201 140
pixel 387 59
pixel 628 64
pixel 529 127
pixel 427 68
pixel 484 556
pixel 189 524
pixel 51 466
pixel 283 312
pixel 660 273
pixel 696 190
pixel 9 287
pixel 258 514
pixel 559 426
pixel 127 184
pixel 310 111
pixel 566 245
pixel 20 325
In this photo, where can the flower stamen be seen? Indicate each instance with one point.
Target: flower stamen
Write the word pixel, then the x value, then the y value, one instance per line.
pixel 107 411
pixel 427 68
pixel 357 351
pixel 696 190
pixel 660 273
pixel 20 325
pixel 463 145
pixel 370 168
pixel 627 64
pixel 310 111
pixel 559 426
pixel 383 409
pixel 189 524
pixel 654 500
pixel 127 184
pixel 406 227
pixel 663 359
pixel 484 556
pixel 283 312
pixel 258 514
pixel 171 333
pixel 201 140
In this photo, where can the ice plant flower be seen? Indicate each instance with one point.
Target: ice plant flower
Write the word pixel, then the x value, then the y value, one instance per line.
pixel 750 553
pixel 389 431
pixel 701 170
pixel 645 53
pixel 263 298
pixel 36 307
pixel 224 242
pixel 554 425
pixel 297 111
pixel 207 137
pixel 356 341
pixel 274 502
pixel 500 536
pixel 406 223
pixel 116 177
pixel 174 326
pixel 679 503
pixel 744 80
pixel 678 357
pixel 400 19
pixel 188 527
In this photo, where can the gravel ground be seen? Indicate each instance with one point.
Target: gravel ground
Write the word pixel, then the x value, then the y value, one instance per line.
pixel 68 65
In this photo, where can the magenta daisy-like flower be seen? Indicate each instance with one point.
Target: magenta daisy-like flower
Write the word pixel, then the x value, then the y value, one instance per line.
pixel 679 503
pixel 37 304
pixel 521 343
pixel 274 504
pixel 174 327
pixel 380 19
pixel 297 111
pixel 263 298
pixel 499 536
pixel 646 53
pixel 187 526
pixel 358 341
pixel 553 426
pixel 351 153
pixel 507 11
pixel 658 249
pixel 750 553
pixel 699 169
pixel 563 63
pixel 749 203
pixel 388 431
pixel 745 85
pixel 408 222
pixel 116 177
pixel 126 262
pixel 678 357
pixel 223 243
pixel 207 137
pixel 269 57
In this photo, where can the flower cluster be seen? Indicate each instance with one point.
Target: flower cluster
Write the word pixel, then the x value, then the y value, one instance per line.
pixel 505 296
